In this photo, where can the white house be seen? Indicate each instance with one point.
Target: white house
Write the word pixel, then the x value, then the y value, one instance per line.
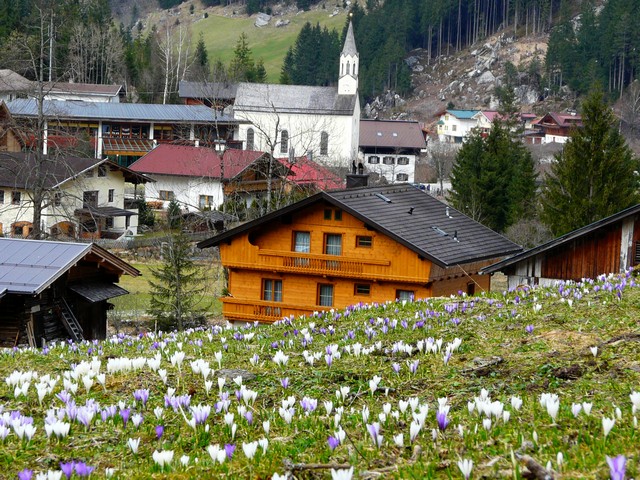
pixel 455 125
pixel 390 148
pixel 292 120
pixel 86 92
pixel 85 196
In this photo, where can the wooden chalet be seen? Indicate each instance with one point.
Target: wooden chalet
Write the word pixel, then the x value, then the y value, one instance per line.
pixel 338 248
pixel 56 290
pixel 610 245
pixel 557 127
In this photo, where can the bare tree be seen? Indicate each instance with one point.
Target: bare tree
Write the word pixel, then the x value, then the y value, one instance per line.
pixel 441 157
pixel 174 42
pixel 630 109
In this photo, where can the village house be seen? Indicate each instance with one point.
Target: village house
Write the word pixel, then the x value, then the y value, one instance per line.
pixel 455 125
pixel 85 196
pixel 124 131
pixel 56 290
pixel 13 85
pixel 390 148
pixel 610 245
pixel 85 92
pixel 337 248
pixel 556 127
pixel 321 123
pixel 218 94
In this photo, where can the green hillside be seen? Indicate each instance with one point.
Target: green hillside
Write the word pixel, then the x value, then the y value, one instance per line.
pixel 533 379
pixel 269 43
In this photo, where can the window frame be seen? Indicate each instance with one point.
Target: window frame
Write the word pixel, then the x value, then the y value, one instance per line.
pixel 295 245
pixel 407 295
pixel 402 177
pixel 326 247
pixel 324 143
pixel 1 197
pixel 102 170
pixel 284 141
pixel 166 195
pixel 388 160
pixel 251 138
pixel 362 289
pixel 323 288
pixel 111 195
pixel 373 160
pixel 16 197
pixel 274 287
pixel 205 201
pixel 362 240
pixel 403 161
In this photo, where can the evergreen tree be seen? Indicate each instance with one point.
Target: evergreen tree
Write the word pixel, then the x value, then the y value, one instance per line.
pixel 287 67
pixel 493 179
pixel 242 66
pixel 200 70
pixel 260 73
pixel 594 176
pixel 177 286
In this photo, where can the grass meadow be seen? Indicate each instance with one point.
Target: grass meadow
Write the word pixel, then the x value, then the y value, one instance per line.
pixel 538 381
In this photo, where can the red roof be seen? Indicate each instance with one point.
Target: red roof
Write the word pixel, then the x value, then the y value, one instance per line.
pixel 391 133
pixel 190 161
pixel 307 172
pixel 566 120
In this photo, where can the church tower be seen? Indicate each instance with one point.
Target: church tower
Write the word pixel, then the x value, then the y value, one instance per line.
pixel 349 65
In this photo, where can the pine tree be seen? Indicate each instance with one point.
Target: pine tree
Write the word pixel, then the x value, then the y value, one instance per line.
pixel 594 176
pixel 178 286
pixel 200 70
pixel 493 179
pixel 242 66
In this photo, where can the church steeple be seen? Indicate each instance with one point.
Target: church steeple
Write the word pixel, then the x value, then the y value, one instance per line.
pixel 349 65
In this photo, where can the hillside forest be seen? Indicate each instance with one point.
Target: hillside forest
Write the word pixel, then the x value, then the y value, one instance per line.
pixel 79 40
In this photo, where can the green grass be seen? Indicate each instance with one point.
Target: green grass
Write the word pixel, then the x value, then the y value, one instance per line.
pixel 269 43
pixel 496 354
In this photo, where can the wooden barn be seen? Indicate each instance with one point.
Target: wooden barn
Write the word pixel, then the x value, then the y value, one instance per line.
pixel 339 248
pixel 54 290
pixel 610 245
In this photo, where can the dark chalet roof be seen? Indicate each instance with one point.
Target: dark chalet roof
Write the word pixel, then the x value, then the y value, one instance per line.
pixel 30 266
pixel 567 237
pixel 427 230
pixel 391 134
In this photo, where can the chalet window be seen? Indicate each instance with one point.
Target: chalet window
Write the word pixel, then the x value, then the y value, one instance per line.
pixel 403 160
pixel 206 202
pixel 1 196
pixel 89 173
pixel 361 289
pixel 337 215
pixel 57 199
pixel 272 290
pixel 405 294
pixel 284 141
pixel 388 160
pixel 333 244
pixel 251 138
pixel 636 258
pixel 374 160
pixel 109 222
pixel 454 128
pixel 364 241
pixel 402 177
pixel 90 199
pixel 17 230
pixel 325 295
pixel 324 143
pixel 102 171
pixel 302 242
pixel 165 195
pixel 327 214
pixel 15 198
pixel 112 193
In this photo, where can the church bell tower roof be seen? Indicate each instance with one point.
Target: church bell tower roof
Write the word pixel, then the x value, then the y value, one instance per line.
pixel 349 42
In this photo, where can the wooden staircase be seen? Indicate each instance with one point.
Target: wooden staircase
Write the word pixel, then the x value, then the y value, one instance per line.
pixel 69 320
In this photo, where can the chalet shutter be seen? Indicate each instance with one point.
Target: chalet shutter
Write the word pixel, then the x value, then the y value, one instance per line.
pixel 636 257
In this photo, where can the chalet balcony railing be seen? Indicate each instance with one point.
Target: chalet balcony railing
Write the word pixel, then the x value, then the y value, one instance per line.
pixel 318 264
pixel 268 312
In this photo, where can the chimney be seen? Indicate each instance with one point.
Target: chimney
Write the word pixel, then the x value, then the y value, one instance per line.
pixel 357 180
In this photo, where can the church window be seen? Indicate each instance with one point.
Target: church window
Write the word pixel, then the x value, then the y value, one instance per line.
pixel 324 143
pixel 348 67
pixel 250 139
pixel 284 141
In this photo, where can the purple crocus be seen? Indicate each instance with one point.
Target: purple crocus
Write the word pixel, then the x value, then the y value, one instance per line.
pixel 124 413
pixel 529 328
pixel 25 474
pixel 141 395
pixel 67 468
pixel 284 382
pixel 617 467
pixel 159 431
pixel 333 442
pixel 229 448
pixel 83 470
pixel 443 421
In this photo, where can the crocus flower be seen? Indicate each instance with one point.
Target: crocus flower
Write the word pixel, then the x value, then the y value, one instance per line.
pixel 607 425
pixel 83 470
pixel 159 431
pixel 284 382
pixel 67 468
pixel 342 474
pixel 465 467
pixel 333 442
pixel 443 421
pixel 124 413
pixel 229 448
pixel 617 467
pixel 25 474
pixel 529 328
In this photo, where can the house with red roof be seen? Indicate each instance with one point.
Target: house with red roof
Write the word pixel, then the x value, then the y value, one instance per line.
pixel 556 126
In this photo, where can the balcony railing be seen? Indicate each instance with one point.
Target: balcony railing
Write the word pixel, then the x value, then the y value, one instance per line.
pixel 263 311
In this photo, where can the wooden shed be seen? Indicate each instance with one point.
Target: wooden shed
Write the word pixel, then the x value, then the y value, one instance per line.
pixel 610 245
pixel 56 290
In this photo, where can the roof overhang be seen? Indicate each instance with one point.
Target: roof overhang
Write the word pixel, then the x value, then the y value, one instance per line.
pixel 97 292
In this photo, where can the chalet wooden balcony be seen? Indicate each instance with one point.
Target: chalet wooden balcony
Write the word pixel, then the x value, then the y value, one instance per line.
pixel 263 311
pixel 324 265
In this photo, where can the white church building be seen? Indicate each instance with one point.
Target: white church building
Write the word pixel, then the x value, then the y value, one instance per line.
pixel 293 120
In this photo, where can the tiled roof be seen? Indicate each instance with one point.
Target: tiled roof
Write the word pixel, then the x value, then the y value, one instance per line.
pixel 30 266
pixel 263 97
pixel 390 133
pixel 143 112
pixel 463 114
pixel 207 90
pixel 11 81
pixel 307 172
pixel 561 119
pixel 21 170
pixel 83 88
pixel 408 215
pixel 182 160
